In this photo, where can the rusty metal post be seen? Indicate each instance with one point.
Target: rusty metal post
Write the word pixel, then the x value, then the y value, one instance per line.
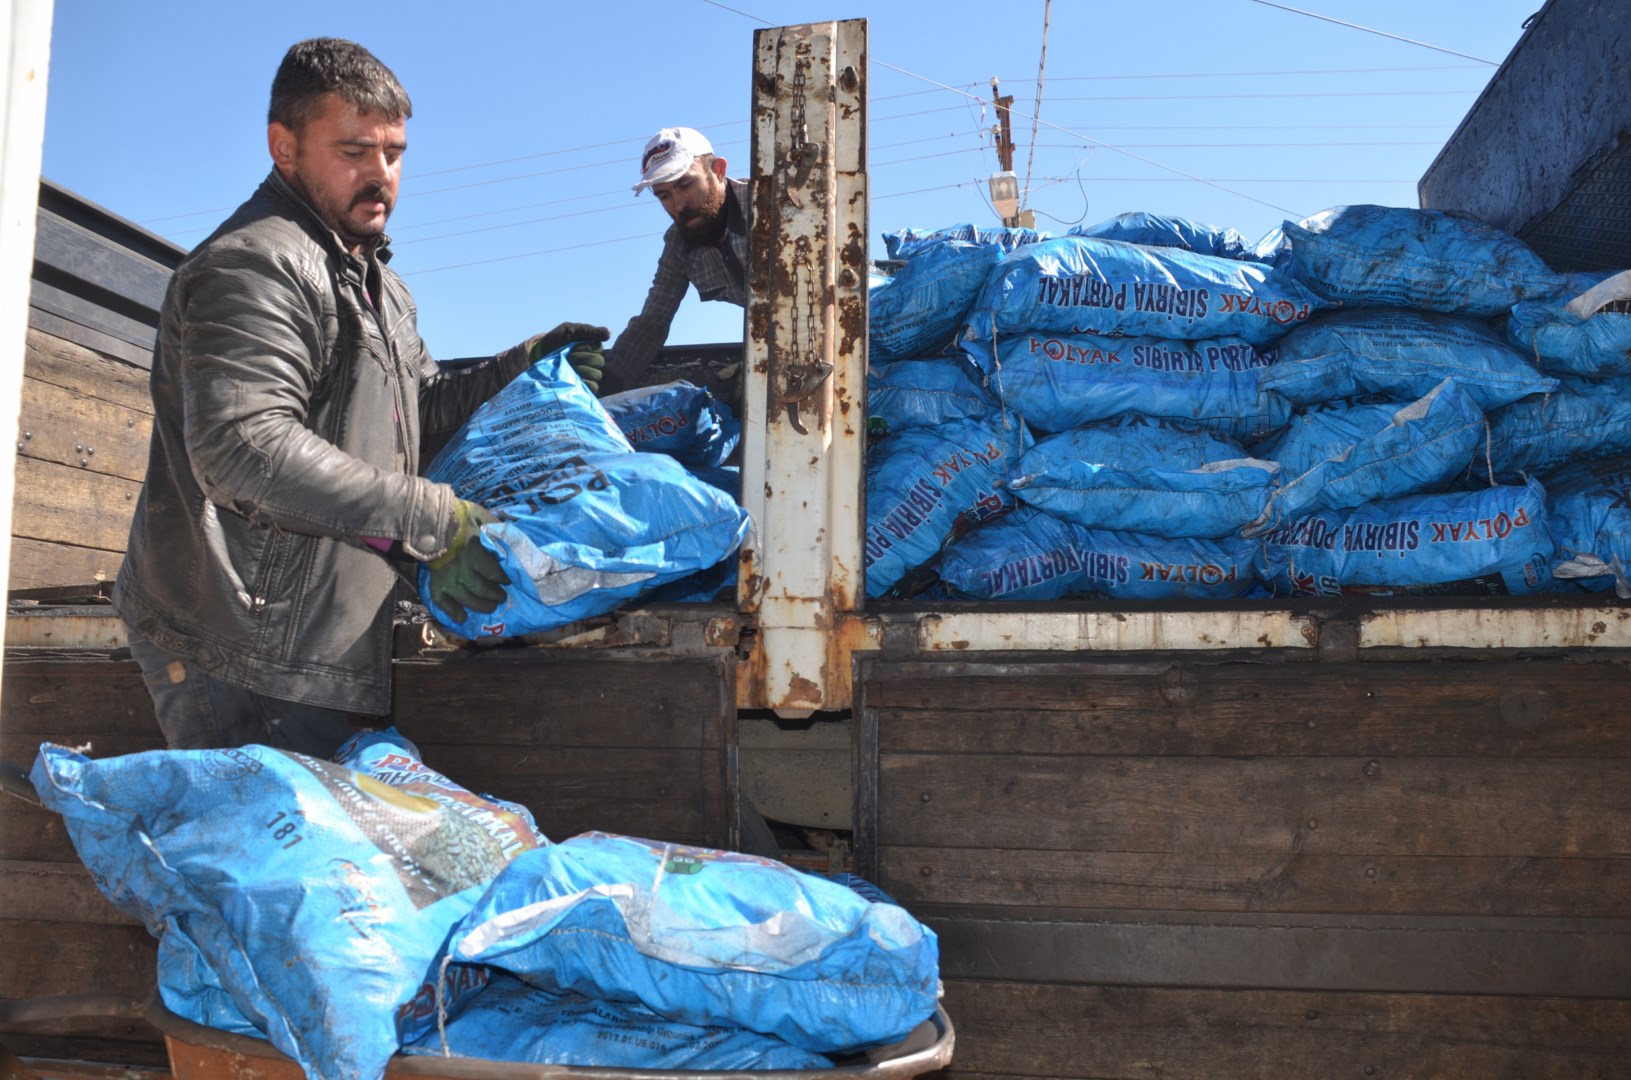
pixel 805 396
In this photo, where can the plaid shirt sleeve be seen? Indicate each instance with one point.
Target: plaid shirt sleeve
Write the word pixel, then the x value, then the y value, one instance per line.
pixel 637 345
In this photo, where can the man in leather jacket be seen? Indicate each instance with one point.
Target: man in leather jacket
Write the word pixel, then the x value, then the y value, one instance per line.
pixel 291 397
pixel 707 246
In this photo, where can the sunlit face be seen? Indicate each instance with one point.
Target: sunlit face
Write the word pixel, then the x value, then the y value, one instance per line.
pixel 696 201
pixel 347 164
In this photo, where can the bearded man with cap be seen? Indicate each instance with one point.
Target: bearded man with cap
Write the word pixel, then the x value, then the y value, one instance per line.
pixel 707 246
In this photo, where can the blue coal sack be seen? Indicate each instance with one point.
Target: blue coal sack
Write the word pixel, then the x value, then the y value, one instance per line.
pixel 586 522
pixel 1062 381
pixel 1143 475
pixel 920 310
pixel 1584 331
pixel 1160 230
pixel 1031 556
pixel 1584 418
pixel 905 243
pixel 1081 285
pixel 1401 355
pixel 312 896
pixel 904 394
pixel 511 1021
pixel 1492 542
pixel 685 422
pixel 707 937
pixel 1429 260
pixel 1588 506
pixel 925 486
pixel 1343 454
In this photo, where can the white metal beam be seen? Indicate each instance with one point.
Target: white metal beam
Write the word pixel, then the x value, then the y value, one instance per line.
pixel 805 401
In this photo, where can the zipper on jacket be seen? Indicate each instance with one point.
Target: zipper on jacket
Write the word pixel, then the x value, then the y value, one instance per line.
pixel 395 372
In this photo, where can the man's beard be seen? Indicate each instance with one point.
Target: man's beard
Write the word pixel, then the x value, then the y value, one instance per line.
pixel 353 230
pixel 706 224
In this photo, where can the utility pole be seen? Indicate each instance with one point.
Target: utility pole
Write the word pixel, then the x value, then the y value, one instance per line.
pixel 1004 133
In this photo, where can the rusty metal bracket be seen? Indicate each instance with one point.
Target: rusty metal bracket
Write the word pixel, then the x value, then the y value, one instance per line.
pixel 802 384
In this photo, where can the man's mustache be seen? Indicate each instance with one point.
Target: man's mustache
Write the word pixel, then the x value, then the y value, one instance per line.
pixel 373 193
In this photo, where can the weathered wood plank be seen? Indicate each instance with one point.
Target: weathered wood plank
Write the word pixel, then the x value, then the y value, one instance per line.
pixel 1584 958
pixel 68 304
pixel 39 564
pixel 30 834
pixel 109 264
pixel 605 751
pixel 676 795
pixel 51 957
pixel 50 1069
pixel 535 698
pixel 661 794
pixel 1546 708
pixel 130 1043
pixel 55 892
pixel 1016 1030
pixel 71 426
pixel 64 363
pixel 70 505
pixel 67 330
pixel 1219 881
pixel 69 701
pixel 1278 806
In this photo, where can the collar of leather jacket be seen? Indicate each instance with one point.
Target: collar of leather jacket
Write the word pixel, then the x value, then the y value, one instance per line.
pixel 380 249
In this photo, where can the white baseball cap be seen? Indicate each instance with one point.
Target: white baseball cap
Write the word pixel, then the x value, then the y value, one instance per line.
pixel 669 154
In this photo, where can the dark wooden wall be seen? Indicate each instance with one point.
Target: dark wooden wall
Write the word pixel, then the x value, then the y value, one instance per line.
pixel 85 415
pixel 1247 866
pixel 633 742
pixel 81 457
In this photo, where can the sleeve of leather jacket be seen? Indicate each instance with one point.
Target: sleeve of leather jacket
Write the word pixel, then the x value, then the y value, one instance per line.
pixel 252 359
pixel 448 395
pixel 637 345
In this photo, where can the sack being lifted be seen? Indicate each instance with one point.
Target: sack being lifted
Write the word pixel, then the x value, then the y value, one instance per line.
pixel 585 521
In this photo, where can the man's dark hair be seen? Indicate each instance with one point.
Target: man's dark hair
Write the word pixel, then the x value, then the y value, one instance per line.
pixel 318 66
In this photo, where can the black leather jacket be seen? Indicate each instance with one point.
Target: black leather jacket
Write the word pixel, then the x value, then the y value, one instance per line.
pixel 291 393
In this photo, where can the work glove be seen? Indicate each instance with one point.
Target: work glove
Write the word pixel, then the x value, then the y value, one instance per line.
pixel 587 357
pixel 467 575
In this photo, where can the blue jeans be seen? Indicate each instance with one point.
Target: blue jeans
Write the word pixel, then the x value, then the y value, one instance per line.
pixel 197 712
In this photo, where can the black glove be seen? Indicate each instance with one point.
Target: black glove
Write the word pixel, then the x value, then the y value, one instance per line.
pixel 467 575
pixel 586 357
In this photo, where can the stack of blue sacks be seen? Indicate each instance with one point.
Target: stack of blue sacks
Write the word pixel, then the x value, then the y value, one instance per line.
pixel 353 909
pixel 1372 400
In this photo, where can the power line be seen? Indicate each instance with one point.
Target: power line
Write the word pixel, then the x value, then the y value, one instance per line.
pixel 1239 180
pixel 738 11
pixel 1238 97
pixel 1041 67
pixel 531 254
pixel 1378 33
pixel 518 224
pixel 621 142
pixel 1243 145
pixel 1101 143
pixel 1254 74
pixel 1269 127
pixel 1153 146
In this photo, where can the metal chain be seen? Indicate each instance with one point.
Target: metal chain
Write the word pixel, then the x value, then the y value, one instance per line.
pixel 801 127
pixel 810 354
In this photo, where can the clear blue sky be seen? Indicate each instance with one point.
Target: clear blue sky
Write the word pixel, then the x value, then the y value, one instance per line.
pixel 529 117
